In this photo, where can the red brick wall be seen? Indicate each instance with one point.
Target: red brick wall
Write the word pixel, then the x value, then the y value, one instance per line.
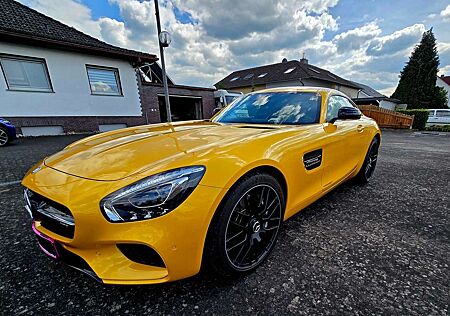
pixel 149 99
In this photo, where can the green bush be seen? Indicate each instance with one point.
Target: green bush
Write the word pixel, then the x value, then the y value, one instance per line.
pixel 438 128
pixel 420 117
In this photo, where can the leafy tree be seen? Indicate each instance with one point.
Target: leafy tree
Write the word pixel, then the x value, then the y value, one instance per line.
pixel 417 85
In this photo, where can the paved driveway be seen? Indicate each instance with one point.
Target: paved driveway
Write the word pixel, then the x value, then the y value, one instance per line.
pixel 380 248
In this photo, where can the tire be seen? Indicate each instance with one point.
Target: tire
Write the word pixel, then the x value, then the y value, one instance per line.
pixel 4 137
pixel 245 227
pixel 370 161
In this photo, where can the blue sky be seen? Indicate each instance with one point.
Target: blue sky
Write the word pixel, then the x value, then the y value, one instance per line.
pixel 366 41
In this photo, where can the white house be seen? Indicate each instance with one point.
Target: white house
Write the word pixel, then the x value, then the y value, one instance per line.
pixel 56 79
pixel 367 95
pixel 444 82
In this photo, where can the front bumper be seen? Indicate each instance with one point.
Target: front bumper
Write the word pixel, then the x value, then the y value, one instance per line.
pixel 177 237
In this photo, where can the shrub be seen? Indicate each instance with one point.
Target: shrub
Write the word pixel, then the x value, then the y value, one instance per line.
pixel 438 128
pixel 420 117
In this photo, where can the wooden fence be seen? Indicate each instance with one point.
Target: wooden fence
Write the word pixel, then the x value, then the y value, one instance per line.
pixel 387 118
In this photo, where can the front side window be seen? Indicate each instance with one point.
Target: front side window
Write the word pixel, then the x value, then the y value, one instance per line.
pixel 26 74
pixel 104 81
pixel 335 102
pixel 291 108
pixel 442 113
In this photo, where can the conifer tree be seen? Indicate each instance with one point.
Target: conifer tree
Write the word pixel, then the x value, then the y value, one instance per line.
pixel 417 85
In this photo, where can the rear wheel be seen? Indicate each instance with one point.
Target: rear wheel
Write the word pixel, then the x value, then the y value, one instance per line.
pixel 245 229
pixel 369 164
pixel 4 137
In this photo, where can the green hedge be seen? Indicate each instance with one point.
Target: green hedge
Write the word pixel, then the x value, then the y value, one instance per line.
pixel 420 117
pixel 438 128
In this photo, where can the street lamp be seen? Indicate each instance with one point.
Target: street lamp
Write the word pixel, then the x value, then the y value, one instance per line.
pixel 164 40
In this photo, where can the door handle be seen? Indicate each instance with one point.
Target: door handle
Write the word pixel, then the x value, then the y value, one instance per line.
pixel 360 128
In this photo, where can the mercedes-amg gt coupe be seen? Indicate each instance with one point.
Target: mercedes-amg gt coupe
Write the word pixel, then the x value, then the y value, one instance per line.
pixel 156 203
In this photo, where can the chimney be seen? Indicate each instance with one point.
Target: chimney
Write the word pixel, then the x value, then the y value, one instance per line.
pixel 304 60
pixel 284 60
pixel 442 76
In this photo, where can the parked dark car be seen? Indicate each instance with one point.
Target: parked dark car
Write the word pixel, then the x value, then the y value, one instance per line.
pixel 7 132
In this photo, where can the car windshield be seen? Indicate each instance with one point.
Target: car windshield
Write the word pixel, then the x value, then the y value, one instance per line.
pixel 291 108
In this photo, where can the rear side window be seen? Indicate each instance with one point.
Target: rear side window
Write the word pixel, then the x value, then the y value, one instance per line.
pixel 431 113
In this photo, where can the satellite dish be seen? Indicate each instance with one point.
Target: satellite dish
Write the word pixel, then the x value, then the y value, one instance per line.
pixel 284 60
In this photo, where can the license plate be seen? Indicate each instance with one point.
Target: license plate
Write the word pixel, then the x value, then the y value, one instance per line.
pixel 47 244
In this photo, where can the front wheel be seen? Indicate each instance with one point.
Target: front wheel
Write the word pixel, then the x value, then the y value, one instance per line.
pixel 245 229
pixel 370 161
pixel 4 137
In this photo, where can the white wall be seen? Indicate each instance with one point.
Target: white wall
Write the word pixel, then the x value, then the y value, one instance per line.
pixel 387 105
pixel 72 94
pixel 443 84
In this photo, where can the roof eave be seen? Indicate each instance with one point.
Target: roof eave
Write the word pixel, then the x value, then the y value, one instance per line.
pixel 47 42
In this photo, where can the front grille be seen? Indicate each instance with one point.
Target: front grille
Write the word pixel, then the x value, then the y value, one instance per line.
pixel 53 216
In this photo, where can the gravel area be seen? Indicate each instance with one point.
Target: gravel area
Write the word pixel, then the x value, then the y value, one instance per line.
pixel 382 248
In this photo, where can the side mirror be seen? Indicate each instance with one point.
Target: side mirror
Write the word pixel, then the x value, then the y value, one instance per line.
pixel 347 113
pixel 216 110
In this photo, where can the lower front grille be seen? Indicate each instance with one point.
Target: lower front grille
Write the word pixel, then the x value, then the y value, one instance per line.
pixel 76 262
pixel 53 216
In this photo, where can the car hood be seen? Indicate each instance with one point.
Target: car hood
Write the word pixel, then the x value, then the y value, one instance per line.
pixel 118 154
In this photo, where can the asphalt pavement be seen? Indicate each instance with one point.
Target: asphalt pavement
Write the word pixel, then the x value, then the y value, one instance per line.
pixel 382 248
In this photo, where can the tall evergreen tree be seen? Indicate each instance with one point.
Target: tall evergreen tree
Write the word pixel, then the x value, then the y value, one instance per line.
pixel 417 85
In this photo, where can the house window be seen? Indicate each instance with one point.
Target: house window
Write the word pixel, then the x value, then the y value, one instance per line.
pixel 25 74
pixel 104 81
pixel 262 75
pixel 234 79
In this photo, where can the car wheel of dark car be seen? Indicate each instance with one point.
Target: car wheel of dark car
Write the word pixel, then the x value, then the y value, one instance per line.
pixel 4 137
pixel 369 164
pixel 246 225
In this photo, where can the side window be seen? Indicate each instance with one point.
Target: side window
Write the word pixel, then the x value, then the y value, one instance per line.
pixel 442 113
pixel 431 113
pixel 335 102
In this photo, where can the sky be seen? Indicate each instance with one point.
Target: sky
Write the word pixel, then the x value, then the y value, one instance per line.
pixel 367 41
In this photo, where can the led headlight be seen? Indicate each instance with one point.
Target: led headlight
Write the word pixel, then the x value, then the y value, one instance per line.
pixel 153 196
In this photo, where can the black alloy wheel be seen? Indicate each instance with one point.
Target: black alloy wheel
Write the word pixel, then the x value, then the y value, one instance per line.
pixel 369 164
pixel 243 234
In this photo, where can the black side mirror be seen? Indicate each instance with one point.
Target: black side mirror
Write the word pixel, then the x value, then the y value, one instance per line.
pixel 216 110
pixel 347 113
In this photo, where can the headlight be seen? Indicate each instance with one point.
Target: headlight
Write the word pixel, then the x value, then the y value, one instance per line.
pixel 153 196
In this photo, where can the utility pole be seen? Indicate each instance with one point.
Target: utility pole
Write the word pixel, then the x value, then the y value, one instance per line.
pixel 163 64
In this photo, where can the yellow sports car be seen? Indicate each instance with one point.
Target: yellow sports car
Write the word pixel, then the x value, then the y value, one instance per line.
pixel 154 203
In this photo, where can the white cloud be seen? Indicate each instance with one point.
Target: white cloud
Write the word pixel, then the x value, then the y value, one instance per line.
pixel 357 38
pixel 445 14
pixel 70 12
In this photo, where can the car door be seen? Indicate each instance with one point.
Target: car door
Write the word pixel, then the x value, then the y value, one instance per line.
pixel 432 118
pixel 344 143
pixel 442 117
